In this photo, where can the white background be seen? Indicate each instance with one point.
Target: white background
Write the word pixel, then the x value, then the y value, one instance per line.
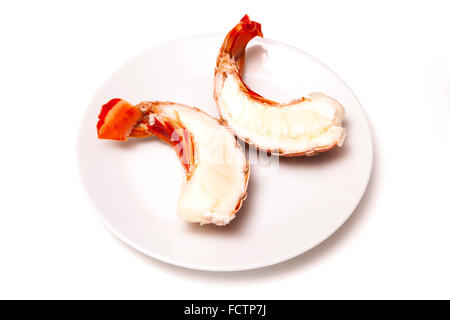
pixel 394 55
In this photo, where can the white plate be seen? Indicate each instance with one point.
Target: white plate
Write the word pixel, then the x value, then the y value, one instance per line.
pixel 292 205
